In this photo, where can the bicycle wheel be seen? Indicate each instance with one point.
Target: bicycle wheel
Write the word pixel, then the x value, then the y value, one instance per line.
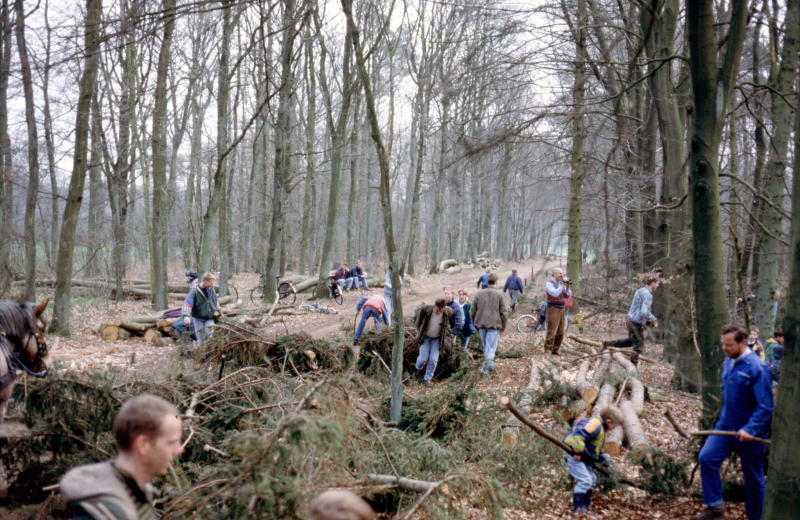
pixel 287 295
pixel 335 295
pixel 527 324
pixel 233 291
pixel 257 295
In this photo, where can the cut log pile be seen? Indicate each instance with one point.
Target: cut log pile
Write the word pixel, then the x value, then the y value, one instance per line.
pixel 483 261
pixel 603 379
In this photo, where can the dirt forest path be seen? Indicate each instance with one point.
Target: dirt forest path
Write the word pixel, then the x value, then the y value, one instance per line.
pixel 421 289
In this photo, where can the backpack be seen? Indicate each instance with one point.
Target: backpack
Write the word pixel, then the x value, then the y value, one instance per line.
pixel 568 304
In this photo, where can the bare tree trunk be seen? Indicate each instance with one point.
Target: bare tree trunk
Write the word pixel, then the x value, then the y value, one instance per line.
pixel 577 154
pixel 160 233
pixel 223 95
pixel 48 138
pixel 784 463
pixel 33 155
pixel 774 182
pixel 66 246
pixel 336 130
pixel 95 221
pixel 306 250
pixel 355 150
pixel 438 186
pixel 388 231
pixel 6 204
pixel 281 162
pixel 712 87
pixel 218 189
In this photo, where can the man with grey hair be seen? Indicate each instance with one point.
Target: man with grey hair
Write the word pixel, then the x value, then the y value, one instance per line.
pixel 557 291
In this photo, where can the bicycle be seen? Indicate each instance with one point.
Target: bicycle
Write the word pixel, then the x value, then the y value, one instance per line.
pixel 530 323
pixel 287 292
pixel 334 292
pixel 317 308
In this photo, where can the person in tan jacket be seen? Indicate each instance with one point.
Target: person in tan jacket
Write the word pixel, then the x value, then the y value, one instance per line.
pixel 490 316
pixel 148 432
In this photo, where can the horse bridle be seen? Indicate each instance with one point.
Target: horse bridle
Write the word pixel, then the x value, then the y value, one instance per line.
pixel 13 358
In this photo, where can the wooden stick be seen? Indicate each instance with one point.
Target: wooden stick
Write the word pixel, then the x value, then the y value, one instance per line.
pixel 597 344
pixel 705 433
pixel 506 401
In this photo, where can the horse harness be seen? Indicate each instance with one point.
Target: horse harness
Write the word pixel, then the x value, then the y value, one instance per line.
pixel 12 361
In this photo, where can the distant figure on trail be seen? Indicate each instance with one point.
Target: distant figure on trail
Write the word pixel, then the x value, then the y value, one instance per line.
pixel 340 504
pixel 372 306
pixel 587 439
pixel 342 276
pixel 557 291
pixel 357 275
pixel 490 316
pixel 469 328
pixel 148 432
pixel 200 306
pixel 514 287
pixel 483 280
pixel 746 409
pixel 433 330
pixel 638 316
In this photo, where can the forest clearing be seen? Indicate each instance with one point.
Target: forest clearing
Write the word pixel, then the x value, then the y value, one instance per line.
pixel 410 259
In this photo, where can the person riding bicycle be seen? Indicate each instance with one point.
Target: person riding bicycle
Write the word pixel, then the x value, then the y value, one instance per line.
pixel 373 306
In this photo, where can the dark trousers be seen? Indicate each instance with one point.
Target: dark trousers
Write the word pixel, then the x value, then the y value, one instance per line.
pixel 635 339
pixel 555 329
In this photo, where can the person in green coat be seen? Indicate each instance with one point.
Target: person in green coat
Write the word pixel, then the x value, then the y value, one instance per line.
pixel 200 307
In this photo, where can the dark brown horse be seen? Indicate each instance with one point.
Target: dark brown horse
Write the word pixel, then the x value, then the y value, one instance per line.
pixel 22 345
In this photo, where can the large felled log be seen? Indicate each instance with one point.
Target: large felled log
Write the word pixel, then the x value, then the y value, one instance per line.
pixel 575 408
pixel 625 362
pixel 151 335
pixel 453 270
pixel 614 440
pixel 167 322
pixel 444 264
pixel 637 396
pixel 604 399
pixel 592 388
pixel 163 342
pixel 407 484
pixel 89 331
pixel 633 428
pixel 131 326
pixel 114 333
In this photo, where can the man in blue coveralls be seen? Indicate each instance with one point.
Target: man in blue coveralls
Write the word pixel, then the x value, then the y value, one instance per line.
pixel 747 390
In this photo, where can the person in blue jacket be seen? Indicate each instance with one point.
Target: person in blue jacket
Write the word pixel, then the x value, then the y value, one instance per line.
pixel 747 408
pixel 586 439
pixel 483 280
pixel 514 287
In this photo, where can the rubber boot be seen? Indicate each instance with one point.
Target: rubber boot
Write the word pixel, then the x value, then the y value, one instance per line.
pixel 578 503
pixel 588 500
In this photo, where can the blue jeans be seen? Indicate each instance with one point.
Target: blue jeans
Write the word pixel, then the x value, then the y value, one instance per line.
pixel 428 353
pixel 367 313
pixel 584 476
pixel 202 329
pixel 489 339
pixel 356 280
pixel 714 452
pixel 340 282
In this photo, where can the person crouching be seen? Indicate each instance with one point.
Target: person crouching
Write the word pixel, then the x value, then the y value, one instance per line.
pixel 586 438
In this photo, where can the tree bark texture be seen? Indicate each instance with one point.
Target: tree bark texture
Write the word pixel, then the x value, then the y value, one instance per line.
pixel 66 246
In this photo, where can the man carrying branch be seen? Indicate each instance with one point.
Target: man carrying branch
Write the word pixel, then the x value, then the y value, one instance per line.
pixel 587 439
pixel 747 390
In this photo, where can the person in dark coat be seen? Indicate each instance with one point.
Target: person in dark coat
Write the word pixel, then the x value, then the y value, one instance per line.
pixel 433 330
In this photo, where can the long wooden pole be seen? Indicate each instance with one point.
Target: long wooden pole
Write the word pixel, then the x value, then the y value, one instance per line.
pixel 705 433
